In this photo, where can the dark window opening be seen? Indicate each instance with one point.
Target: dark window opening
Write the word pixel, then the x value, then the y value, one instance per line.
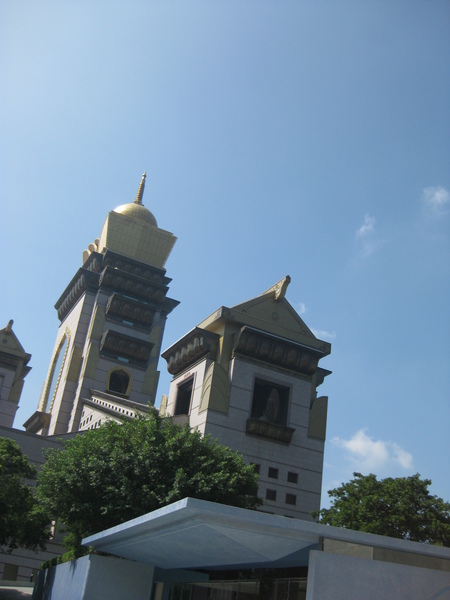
pixel 273 473
pixel 256 467
pixel 183 400
pixel 10 572
pixel 270 403
pixel 119 382
pixel 271 495
pixel 292 477
pixel 291 499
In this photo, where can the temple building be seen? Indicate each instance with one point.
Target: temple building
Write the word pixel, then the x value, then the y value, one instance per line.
pixel 13 370
pixel 248 376
pixel 112 318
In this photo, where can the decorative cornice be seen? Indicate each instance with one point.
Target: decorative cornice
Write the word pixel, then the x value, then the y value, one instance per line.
pixel 9 360
pixel 169 305
pixel 321 374
pixel 94 262
pixel 132 285
pixel 38 420
pixel 194 345
pixel 277 433
pixel 121 274
pixel 82 281
pixel 126 309
pixel 134 267
pixel 277 351
pixel 117 345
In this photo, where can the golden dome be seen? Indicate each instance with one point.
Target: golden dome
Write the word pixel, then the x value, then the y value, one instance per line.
pixel 136 209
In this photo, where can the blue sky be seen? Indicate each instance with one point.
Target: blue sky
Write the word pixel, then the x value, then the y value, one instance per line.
pixel 308 138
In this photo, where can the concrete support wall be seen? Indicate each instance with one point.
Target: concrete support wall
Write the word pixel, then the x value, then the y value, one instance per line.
pixel 336 577
pixel 95 578
pixel 107 578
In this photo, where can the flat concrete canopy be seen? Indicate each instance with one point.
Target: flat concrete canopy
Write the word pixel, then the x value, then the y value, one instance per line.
pixel 195 534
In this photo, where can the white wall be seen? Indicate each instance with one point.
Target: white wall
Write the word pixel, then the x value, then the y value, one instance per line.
pixel 336 577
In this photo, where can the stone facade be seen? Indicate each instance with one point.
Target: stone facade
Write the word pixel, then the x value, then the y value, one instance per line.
pixel 248 376
pixel 112 314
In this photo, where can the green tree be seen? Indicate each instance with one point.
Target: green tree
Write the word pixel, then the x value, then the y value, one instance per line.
pixel 121 471
pixel 22 521
pixel 399 507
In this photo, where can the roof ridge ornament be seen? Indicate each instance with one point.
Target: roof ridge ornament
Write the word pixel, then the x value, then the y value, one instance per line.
pixel 140 193
pixel 281 287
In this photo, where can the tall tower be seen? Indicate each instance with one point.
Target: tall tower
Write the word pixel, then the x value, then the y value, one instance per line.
pixel 13 370
pixel 112 316
pixel 248 376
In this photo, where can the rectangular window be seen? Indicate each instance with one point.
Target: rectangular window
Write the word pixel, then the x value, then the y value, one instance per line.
pixel 271 495
pixel 270 403
pixel 256 467
pixel 183 401
pixel 292 477
pixel 291 499
pixel 273 473
pixel 10 572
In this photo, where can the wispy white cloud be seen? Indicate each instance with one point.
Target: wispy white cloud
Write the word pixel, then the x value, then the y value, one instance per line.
pixel 324 335
pixel 375 456
pixel 366 236
pixel 367 227
pixel 301 308
pixel 436 199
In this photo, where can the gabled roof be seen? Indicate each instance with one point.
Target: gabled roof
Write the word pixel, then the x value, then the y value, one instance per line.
pixel 272 313
pixel 10 343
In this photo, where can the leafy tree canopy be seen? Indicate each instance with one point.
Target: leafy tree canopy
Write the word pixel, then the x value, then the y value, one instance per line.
pixel 22 521
pixel 398 507
pixel 121 471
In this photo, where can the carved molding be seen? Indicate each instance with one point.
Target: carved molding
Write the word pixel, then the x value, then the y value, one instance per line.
pixel 117 345
pixel 320 376
pixel 38 420
pixel 132 267
pixel 93 262
pixel 120 274
pixel 278 433
pixel 277 351
pixel 82 281
pixel 189 349
pixel 133 285
pixel 16 362
pixel 130 310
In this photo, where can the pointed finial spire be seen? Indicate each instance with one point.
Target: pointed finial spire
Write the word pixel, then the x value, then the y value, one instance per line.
pixel 140 193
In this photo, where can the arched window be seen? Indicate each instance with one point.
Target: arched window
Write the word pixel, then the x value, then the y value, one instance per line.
pixel 119 382
pixel 55 372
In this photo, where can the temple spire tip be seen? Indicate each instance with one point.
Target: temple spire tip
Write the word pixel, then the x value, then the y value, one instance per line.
pixel 140 193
